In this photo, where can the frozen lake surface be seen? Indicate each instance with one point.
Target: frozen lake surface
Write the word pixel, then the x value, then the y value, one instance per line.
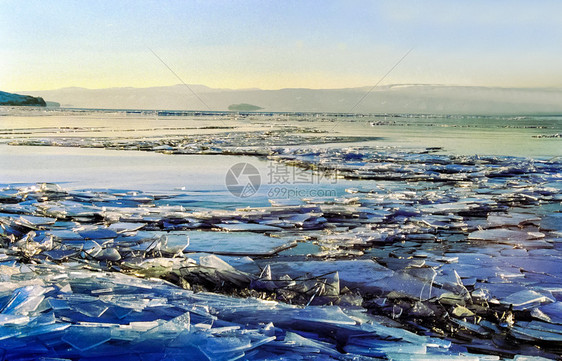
pixel 352 237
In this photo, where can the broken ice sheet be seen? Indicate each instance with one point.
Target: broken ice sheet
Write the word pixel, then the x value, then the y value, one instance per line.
pixel 96 232
pixel 240 263
pixel 526 299
pixel 85 338
pixel 500 235
pixel 35 221
pixel 511 219
pixel 397 209
pixel 537 331
pixel 238 243
pixel 123 227
pixel 553 311
pixel 6 319
pixel 24 300
pixel 356 273
pixel 403 285
pixel 552 222
pixel 90 309
pixel 247 227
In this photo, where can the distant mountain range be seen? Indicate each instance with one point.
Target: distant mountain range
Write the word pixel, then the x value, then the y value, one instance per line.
pixel 20 100
pixel 415 98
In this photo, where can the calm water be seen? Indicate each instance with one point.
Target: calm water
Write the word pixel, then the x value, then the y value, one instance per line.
pixel 98 168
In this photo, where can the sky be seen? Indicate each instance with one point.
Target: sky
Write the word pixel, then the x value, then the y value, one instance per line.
pixel 278 44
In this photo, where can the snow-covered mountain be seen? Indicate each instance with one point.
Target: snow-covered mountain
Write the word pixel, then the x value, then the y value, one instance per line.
pixel 427 99
pixel 17 99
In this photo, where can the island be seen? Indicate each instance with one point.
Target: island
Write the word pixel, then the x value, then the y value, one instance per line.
pixel 243 107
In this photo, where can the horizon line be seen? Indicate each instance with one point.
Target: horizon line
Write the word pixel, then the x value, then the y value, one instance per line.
pixel 299 88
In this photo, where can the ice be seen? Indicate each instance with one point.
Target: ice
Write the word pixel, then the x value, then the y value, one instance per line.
pixel 24 300
pixel 474 328
pixel 247 227
pixel 529 358
pixel 511 219
pixel 176 245
pixel 123 227
pixel 61 254
pixel 463 247
pixel 293 342
pixel 234 347
pixel 46 329
pixel 402 285
pixel 552 222
pixel 461 312
pixel 94 232
pixel 394 350
pixel 526 299
pixel 537 331
pixel 240 243
pixel 107 254
pixel 413 357
pixel 241 263
pixel 499 235
pixel 90 309
pixel 35 221
pixel 214 270
pixel 13 319
pixel 553 311
pixel 67 235
pixel 358 273
pixel 85 338
pixel 58 304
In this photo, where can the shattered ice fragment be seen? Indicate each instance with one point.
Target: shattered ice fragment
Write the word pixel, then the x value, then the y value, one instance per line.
pixel 247 227
pixel 498 235
pixel 60 254
pixel 123 227
pixel 529 358
pixel 13 319
pixel 461 311
pixel 447 259
pixel 24 300
pixel 95 232
pixel 402 285
pixel 332 284
pixel 539 315
pixel 58 304
pixel 36 221
pixel 176 245
pixel 537 331
pixel 472 327
pixel 358 273
pixel 511 219
pixel 108 254
pixel 526 299
pixel 90 309
pixel 85 338
pixel 213 261
pixel 551 222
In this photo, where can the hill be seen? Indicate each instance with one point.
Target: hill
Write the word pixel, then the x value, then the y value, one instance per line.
pixel 20 100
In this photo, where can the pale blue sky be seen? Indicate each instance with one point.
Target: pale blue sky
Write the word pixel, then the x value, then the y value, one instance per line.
pixel 278 44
